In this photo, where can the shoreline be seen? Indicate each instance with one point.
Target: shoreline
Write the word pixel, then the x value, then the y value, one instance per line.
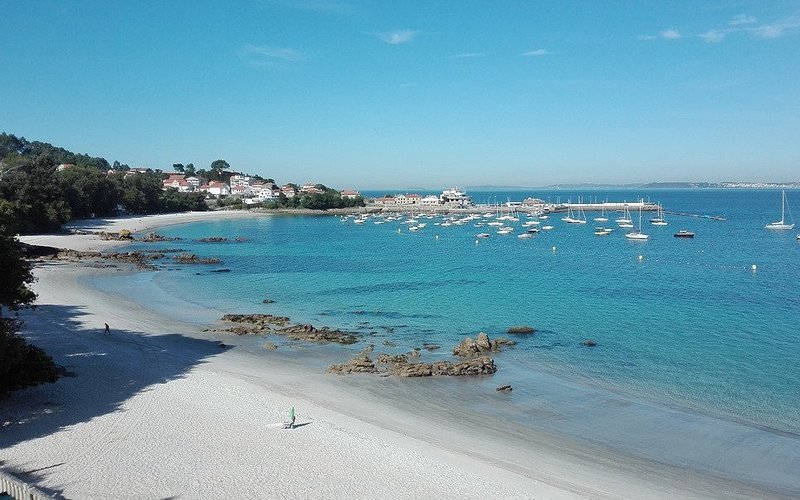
pixel 421 441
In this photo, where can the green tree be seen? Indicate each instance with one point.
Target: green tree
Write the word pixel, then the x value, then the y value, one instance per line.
pixel 88 192
pixel 21 365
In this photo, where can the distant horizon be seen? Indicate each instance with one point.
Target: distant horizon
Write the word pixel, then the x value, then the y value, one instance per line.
pixel 343 91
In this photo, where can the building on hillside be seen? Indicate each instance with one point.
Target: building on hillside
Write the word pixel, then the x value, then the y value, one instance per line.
pixel 196 182
pixel 138 170
pixel 216 188
pixel 177 181
pixel 288 191
pixel 64 166
pixel 349 194
pixel 240 180
pixel 309 188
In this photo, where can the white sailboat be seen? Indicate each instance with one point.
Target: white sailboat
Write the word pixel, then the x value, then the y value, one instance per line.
pixel 781 224
pixel 659 220
pixel 602 217
pixel 637 235
pixel 625 219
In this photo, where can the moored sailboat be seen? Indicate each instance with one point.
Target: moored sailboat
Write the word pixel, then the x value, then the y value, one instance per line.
pixel 781 224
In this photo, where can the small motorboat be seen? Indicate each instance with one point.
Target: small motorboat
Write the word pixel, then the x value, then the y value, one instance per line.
pixel 684 234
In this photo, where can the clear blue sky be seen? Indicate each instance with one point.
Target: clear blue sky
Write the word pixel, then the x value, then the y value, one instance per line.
pixel 372 94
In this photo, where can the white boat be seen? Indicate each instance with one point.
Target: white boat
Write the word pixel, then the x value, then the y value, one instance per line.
pixel 579 219
pixel 659 220
pixel 625 219
pixel 602 217
pixel 482 235
pixel 637 235
pixel 781 224
pixel 525 236
pixel 602 231
pixel 547 228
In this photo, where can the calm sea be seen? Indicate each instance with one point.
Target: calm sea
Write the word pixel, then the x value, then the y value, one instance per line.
pixel 683 322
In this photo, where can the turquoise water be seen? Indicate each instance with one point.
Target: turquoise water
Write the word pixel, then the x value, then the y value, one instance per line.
pixel 688 324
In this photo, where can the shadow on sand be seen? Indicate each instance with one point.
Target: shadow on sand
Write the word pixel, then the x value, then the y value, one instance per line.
pixel 101 372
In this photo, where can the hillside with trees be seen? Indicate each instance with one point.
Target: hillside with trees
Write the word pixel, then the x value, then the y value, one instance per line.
pixel 37 196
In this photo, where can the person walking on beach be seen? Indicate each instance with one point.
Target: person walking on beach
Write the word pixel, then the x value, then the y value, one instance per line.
pixel 290 422
pixel 108 330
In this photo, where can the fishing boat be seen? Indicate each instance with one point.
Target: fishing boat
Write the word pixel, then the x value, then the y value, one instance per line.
pixel 781 224
pixel 637 235
pixel 683 233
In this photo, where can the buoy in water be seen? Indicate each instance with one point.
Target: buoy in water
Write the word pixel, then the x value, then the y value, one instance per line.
pixel 437 236
pixel 641 257
pixel 753 268
pixel 554 249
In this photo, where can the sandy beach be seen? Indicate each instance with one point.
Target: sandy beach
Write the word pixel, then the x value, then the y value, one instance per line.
pixel 157 409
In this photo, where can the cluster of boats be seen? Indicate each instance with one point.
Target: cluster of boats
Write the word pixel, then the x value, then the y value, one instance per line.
pixel 504 225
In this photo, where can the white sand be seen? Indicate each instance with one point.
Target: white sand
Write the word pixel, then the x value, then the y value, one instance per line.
pixel 157 409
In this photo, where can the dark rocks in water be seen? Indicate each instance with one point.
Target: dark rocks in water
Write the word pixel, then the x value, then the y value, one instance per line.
pixel 361 363
pixel 256 323
pixel 520 330
pixel 258 319
pixel 505 388
pixel 223 270
pixel 431 347
pixel 310 334
pixel 478 366
pixel 213 239
pixel 240 239
pixel 589 343
pixel 222 345
pixel 153 237
pixel 270 346
pixel 390 359
pixel 190 258
pixel 469 348
pixel 267 301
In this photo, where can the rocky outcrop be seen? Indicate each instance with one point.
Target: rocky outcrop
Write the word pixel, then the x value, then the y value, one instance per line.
pixel 520 330
pixel 361 363
pixel 389 359
pixel 469 348
pixel 504 388
pixel 257 319
pixel 479 366
pixel 213 239
pixel 431 347
pixel 267 301
pixel 279 325
pixel 190 258
pixel 153 237
pixel 320 335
